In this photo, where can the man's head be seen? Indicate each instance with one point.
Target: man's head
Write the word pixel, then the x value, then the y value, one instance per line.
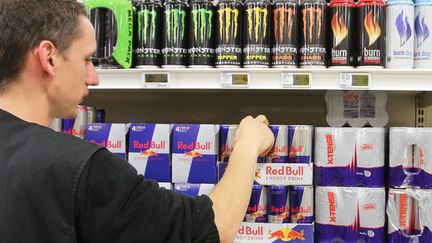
pixel 53 38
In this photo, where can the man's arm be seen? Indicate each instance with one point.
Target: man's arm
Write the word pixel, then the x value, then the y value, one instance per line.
pixel 231 195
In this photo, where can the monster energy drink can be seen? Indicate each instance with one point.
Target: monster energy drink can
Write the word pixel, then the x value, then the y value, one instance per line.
pixel 285 37
pixel 371 15
pixel 229 32
pixel 256 16
pixel 400 34
pixel 148 35
pixel 342 32
pixel 201 37
pixel 313 33
pixel 422 26
pixel 174 50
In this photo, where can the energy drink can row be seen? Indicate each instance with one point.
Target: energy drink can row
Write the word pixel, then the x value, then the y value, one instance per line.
pixel 281 204
pixel 293 144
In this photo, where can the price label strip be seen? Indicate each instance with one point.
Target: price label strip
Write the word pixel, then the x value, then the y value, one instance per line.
pixel 156 80
pixel 355 80
pixel 235 80
pixel 296 80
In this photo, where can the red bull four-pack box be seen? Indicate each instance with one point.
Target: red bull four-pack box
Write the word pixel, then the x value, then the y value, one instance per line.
pixel 149 150
pixel 194 153
pixel 109 135
pixel 194 189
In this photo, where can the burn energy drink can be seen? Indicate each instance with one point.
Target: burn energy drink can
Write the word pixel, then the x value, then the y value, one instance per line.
pixel 300 143
pixel 256 17
pixel 279 204
pixel 400 34
pixel 202 33
pixel 174 48
pixel 302 204
pixel 423 38
pixel 371 18
pixel 342 32
pixel 229 32
pixel 279 152
pixel 313 33
pixel 257 209
pixel 148 22
pixel 285 36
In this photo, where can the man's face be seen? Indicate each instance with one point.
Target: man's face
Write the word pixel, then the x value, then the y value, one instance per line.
pixel 74 73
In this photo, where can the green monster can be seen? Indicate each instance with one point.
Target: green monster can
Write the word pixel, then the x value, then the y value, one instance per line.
pixel 229 33
pixel 256 51
pixel 174 47
pixel 201 36
pixel 148 38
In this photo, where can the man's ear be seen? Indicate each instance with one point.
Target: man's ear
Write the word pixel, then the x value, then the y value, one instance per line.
pixel 47 54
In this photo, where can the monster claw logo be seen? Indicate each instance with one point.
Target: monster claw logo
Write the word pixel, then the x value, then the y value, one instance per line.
pixel 258 19
pixel 372 28
pixel 286 235
pixel 403 27
pixel 176 15
pixel 340 31
pixel 313 13
pixel 421 30
pixel 279 22
pixel 225 15
pixel 144 17
pixel 200 21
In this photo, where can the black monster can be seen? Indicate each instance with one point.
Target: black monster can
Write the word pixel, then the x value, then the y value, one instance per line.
pixel 229 33
pixel 202 34
pixel 313 33
pixel 256 33
pixel 148 36
pixel 372 32
pixel 174 47
pixel 342 33
pixel 285 37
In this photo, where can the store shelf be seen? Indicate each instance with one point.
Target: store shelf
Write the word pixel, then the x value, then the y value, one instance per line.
pixel 268 78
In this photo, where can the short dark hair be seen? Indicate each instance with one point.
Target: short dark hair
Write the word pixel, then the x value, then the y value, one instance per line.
pixel 25 23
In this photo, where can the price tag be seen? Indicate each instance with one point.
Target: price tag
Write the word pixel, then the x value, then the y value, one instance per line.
pixel 296 80
pixel 156 80
pixel 235 80
pixel 355 80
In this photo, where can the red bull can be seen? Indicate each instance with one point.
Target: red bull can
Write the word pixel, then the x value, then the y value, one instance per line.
pixel 91 115
pixel 77 127
pixel 57 125
pixel 302 204
pixel 257 209
pixel 279 152
pixel 279 204
pixel 226 140
pixel 300 143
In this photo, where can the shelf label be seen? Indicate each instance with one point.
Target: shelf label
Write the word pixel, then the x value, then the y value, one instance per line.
pixel 235 80
pixel 296 80
pixel 284 174
pixel 355 80
pixel 156 80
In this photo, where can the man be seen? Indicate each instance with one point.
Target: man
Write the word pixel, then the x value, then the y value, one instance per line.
pixel 57 188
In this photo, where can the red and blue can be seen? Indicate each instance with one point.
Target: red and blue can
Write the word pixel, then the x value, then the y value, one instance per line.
pixel 279 204
pixel 300 144
pixel 257 209
pixel 77 126
pixel 302 204
pixel 279 152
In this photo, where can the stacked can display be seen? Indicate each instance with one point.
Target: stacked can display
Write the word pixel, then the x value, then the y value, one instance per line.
pixel 423 40
pixel 349 175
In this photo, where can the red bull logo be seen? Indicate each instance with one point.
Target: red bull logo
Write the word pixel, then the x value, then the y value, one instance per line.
pixel 149 153
pixel 76 132
pixel 286 170
pixel 149 145
pixel 281 210
pixel 251 230
pixel 257 173
pixel 194 145
pixel 330 149
pixel 109 144
pixel 193 154
pixel 286 234
pixel 226 150
pixel 256 209
pixel 332 206
pixel 280 149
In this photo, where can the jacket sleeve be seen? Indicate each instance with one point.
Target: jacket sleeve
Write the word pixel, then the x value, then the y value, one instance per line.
pixel 114 204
